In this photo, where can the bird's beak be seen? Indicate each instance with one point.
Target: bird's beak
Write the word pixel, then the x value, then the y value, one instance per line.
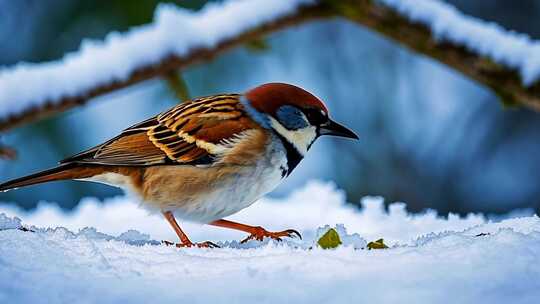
pixel 335 129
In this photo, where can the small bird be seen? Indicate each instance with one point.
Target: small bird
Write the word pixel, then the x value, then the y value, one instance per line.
pixel 206 158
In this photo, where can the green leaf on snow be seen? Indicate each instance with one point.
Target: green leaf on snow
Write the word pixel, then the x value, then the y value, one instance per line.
pixel 378 244
pixel 330 239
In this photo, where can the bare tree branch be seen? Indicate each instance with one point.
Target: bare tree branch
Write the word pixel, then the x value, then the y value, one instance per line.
pixel 503 81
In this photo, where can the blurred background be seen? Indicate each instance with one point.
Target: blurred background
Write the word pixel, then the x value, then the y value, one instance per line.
pixel 429 136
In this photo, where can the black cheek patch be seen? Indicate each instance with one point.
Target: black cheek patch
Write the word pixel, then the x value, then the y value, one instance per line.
pixel 293 156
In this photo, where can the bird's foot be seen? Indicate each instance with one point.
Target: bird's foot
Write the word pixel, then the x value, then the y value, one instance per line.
pixel 259 233
pixel 189 244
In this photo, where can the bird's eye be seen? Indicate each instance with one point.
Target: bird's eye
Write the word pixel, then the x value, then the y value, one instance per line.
pixel 316 116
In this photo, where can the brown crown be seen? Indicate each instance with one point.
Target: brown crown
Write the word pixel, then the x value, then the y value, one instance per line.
pixel 267 98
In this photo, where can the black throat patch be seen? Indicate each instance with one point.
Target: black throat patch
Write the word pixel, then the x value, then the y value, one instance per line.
pixel 293 156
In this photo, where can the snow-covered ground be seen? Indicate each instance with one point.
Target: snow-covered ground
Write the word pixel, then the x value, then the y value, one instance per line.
pixel 432 259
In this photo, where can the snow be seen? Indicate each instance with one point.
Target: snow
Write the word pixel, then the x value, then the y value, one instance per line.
pixel 9 223
pixel 509 48
pixel 174 31
pixel 432 258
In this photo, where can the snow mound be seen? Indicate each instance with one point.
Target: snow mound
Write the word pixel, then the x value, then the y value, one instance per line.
pixel 431 259
pixel 9 223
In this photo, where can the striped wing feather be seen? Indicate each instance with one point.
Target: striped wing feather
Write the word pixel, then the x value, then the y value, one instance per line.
pixel 193 132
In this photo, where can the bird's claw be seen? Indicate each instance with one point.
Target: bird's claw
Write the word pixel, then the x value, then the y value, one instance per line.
pixel 260 233
pixel 206 244
pixel 293 233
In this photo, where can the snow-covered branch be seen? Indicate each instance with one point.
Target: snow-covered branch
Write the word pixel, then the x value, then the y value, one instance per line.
pixel 507 62
pixel 503 60
pixel 175 40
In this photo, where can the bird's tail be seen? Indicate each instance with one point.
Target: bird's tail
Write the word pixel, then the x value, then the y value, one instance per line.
pixel 62 172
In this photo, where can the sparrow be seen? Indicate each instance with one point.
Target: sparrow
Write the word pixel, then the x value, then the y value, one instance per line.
pixel 206 158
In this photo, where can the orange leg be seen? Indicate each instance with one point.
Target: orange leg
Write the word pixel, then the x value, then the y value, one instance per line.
pixel 256 232
pixel 184 240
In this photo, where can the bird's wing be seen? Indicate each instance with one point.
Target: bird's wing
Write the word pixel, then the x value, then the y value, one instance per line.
pixel 194 132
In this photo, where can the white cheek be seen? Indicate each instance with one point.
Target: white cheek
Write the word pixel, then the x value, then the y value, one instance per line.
pixel 301 138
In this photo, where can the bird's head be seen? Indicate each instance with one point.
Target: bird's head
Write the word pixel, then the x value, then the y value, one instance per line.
pixel 295 114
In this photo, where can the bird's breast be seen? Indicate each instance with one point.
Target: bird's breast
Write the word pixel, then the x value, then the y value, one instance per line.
pixel 211 193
